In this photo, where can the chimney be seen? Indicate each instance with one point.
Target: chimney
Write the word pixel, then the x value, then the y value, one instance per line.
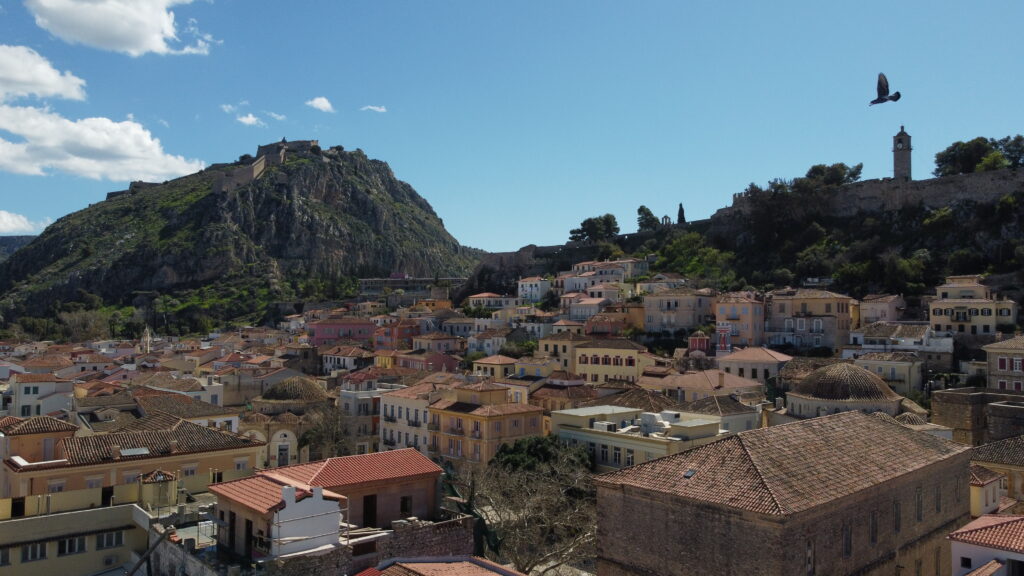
pixel 288 493
pixel 115 452
pixel 721 379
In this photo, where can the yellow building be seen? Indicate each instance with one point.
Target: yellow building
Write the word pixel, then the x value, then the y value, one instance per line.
pixel 964 304
pixel 611 359
pixel 618 437
pixel 808 318
pixel 561 345
pixel 902 371
pixel 1005 363
pixel 471 421
pixel 739 320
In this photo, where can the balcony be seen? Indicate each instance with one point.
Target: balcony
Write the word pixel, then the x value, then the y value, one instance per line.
pixel 475 434
pixel 389 418
pixel 412 444
pixel 414 423
pixel 456 431
pixel 388 441
pixel 433 426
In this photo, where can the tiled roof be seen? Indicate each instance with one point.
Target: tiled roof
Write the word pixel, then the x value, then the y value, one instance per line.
pixel 1009 451
pixel 639 398
pixel 915 331
pixel 157 476
pixel 48 361
pixel 182 406
pixel 800 366
pixel 506 409
pixel 757 354
pixel 154 421
pixel 444 566
pixel 981 475
pixel 33 378
pixel 122 398
pixel 262 492
pixel 1015 343
pixel 12 426
pixel 482 386
pixel 496 359
pixel 704 380
pixel 350 471
pixel 1004 532
pixel 845 382
pixel 911 419
pixel 612 343
pixel 990 568
pixel 718 406
pixel 296 388
pixel 190 438
pixel 789 468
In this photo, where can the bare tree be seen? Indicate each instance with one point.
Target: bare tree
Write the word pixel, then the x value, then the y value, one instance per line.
pixel 327 433
pixel 537 516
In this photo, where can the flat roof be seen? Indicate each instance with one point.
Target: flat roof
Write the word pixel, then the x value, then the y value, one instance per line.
pixel 598 410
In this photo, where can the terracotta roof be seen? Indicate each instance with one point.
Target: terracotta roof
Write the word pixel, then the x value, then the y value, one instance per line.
pixel 1015 343
pixel 443 566
pixel 757 354
pixel 496 359
pixel 718 406
pixel 482 386
pixel 981 476
pixel 350 471
pixel 612 343
pixel 156 476
pixel 1009 451
pixel 550 390
pixel 48 361
pixel 154 421
pixel 845 382
pixel 190 438
pixel 800 366
pixel 122 398
pixel 639 398
pixel 789 468
pixel 1003 532
pixel 709 380
pixel 13 426
pixel 182 406
pixel 262 492
pixel 32 378
pixel 890 356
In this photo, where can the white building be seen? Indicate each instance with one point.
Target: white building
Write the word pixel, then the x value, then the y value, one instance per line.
pixel 38 394
pixel 533 289
pixel 992 542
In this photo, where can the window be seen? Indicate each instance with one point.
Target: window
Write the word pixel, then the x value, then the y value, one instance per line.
pixel 938 498
pixel 109 540
pixel 629 457
pixel 957 488
pixel 965 562
pixel 32 552
pixel 617 456
pixel 873 527
pixel 583 358
pixel 896 520
pixel 405 506
pixel 847 540
pixel 94 482
pixel 1017 364
pixel 919 505
pixel 241 464
pixel 604 452
pixel 55 486
pixel 69 546
pixel 189 470
pixel 5 556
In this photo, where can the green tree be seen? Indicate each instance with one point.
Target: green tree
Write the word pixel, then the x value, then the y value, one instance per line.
pixel 1012 149
pixel 646 221
pixel 595 229
pixel 993 161
pixel 962 157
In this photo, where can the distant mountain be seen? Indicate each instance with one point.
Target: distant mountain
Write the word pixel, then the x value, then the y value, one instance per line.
pixel 9 244
pixel 295 222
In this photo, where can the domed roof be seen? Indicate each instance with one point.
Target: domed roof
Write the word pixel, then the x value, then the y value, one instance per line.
pixel 296 388
pixel 845 382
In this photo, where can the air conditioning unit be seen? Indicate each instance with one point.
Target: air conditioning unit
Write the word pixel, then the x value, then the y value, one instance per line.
pixel 109 560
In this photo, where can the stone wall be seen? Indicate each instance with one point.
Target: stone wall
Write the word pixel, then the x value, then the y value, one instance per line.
pixel 413 537
pixel 642 533
pixel 972 416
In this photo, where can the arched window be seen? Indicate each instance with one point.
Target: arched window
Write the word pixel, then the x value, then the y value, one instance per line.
pixel 607 360
pixel 617 361
pixel 595 359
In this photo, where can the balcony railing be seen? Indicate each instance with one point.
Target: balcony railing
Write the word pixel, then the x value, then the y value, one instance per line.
pixel 475 434
pixel 389 418
pixel 456 431
pixel 433 426
pixel 414 423
pixel 411 444
pixel 388 441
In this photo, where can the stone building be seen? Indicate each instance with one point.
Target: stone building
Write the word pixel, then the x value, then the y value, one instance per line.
pixel 846 493
pixel 843 388
pixel 979 415
pixel 279 417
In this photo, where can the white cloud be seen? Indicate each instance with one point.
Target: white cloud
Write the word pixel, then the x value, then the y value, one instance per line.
pixel 320 103
pixel 164 123
pixel 133 27
pixel 23 72
pixel 97 148
pixel 381 109
pixel 11 223
pixel 228 108
pixel 250 120
pixel 278 117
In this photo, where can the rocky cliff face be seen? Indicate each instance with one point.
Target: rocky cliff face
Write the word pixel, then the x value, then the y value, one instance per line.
pixel 316 217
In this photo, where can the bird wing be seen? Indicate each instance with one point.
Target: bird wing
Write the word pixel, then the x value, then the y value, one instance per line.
pixel 883 86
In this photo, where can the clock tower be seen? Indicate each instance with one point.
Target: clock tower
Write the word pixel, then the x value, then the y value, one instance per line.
pixel 901 156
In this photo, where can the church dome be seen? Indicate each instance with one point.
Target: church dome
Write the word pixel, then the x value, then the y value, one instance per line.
pixel 296 388
pixel 845 382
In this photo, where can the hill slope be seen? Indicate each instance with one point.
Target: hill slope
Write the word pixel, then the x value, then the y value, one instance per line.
pixel 302 229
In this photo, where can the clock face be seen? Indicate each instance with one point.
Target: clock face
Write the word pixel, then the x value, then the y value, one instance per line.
pixel 899 145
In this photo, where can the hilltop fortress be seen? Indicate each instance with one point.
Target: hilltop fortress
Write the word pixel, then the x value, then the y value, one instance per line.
pixel 886 194
pixel 266 155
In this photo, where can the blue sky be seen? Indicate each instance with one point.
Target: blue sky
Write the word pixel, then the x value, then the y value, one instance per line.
pixel 515 120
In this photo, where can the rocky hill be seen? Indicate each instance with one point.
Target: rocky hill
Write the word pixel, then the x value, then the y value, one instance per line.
pixel 9 244
pixel 303 227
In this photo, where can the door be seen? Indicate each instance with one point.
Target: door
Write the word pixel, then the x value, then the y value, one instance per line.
pixel 231 531
pixel 370 510
pixel 282 454
pixel 248 538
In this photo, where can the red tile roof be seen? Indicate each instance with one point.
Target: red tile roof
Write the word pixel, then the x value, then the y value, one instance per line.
pixel 350 471
pixel 1004 532
pixel 441 566
pixel 262 493
pixel 13 426
pixel 981 476
pixel 783 470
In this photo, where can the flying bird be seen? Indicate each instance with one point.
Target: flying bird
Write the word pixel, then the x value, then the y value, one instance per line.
pixel 883 91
